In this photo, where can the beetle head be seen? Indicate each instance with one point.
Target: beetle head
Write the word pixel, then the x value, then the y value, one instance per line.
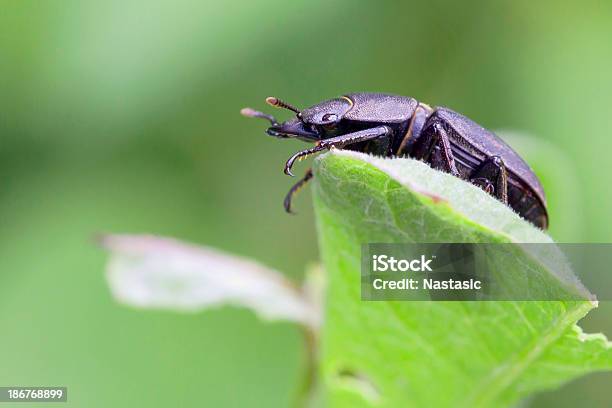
pixel 317 122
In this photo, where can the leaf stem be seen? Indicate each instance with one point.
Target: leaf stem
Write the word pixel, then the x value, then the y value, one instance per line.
pixel 307 391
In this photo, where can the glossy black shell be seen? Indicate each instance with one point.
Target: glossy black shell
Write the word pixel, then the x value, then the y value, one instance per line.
pixel 470 143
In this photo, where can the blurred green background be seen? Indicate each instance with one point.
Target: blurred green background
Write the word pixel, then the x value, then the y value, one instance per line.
pixel 122 116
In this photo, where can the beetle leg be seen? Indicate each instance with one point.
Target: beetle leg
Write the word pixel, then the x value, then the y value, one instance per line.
pixel 299 156
pixel 492 177
pixel 441 139
pixel 338 142
pixel 294 189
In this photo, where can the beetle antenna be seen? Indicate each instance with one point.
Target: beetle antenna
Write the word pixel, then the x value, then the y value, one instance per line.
pixel 252 113
pixel 277 103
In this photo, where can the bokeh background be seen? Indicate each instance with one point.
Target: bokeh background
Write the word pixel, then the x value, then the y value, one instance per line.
pixel 122 116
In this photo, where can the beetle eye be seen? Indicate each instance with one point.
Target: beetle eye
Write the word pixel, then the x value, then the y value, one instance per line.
pixel 329 117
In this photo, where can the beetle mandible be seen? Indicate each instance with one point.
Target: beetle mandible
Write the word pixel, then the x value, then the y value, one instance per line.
pixel 392 125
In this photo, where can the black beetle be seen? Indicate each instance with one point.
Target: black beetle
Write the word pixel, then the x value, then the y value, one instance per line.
pixel 391 125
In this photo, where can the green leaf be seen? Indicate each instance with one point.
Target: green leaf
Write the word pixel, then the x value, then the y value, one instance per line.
pixel 434 354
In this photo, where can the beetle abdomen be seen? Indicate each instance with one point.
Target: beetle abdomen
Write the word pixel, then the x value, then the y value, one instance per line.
pixel 487 143
pixel 520 197
pixel 526 204
pixel 471 145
